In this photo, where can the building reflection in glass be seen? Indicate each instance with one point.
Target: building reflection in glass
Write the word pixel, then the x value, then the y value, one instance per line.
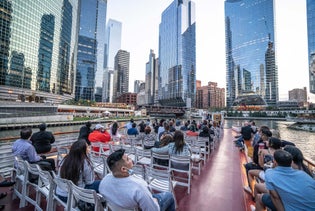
pixel 177 54
pixel 250 56
pixel 38 48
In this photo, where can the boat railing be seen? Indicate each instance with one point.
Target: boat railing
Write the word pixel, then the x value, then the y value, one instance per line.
pixel 310 164
pixel 7 157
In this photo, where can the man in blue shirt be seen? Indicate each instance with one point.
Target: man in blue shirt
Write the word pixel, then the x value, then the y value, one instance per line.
pixel 23 148
pixel 289 189
pixel 133 130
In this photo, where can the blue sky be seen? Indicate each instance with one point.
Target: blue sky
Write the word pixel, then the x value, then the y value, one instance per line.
pixel 140 21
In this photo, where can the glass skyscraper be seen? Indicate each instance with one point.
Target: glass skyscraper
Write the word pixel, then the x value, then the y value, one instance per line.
pixel 91 46
pixel 121 75
pixel 38 49
pixel 112 45
pixel 177 54
pixel 151 79
pixel 311 42
pixel 250 55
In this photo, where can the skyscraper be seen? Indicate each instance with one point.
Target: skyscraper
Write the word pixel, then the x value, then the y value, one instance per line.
pixel 311 42
pixel 112 45
pixel 151 79
pixel 177 54
pixel 121 74
pixel 38 49
pixel 250 57
pixel 91 46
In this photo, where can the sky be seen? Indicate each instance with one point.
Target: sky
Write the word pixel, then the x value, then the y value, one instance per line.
pixel 140 30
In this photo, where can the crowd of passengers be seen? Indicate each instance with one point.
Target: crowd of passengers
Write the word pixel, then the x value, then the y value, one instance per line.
pixel 164 136
pixel 277 177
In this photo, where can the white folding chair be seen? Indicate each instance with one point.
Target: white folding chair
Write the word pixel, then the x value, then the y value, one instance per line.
pixel 196 158
pixel 179 165
pixel 32 183
pixel 160 180
pixel 143 156
pixel 159 160
pixel 114 207
pixel 99 165
pixel 46 188
pixel 205 150
pixel 61 153
pixel 20 176
pixel 64 185
pixel 190 140
pixel 81 195
pixel 202 145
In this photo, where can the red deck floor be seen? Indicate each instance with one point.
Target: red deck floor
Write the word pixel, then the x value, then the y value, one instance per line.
pixel 219 187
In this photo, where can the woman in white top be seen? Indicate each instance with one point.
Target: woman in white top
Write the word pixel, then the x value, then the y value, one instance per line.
pixel 77 167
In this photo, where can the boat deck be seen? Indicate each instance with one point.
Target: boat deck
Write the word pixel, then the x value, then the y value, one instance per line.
pixel 219 187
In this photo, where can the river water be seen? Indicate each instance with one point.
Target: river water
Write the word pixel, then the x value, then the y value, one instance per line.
pixel 303 139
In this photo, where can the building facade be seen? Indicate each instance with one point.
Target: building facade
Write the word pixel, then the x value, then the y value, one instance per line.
pixel 38 50
pixel 112 45
pixel 299 95
pixel 127 98
pixel 177 54
pixel 210 96
pixel 151 79
pixel 137 85
pixel 121 74
pixel 250 56
pixel 311 42
pixel 91 43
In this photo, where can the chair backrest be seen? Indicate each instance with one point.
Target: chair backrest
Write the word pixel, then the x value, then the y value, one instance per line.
pixel 64 185
pixel 46 186
pixel 159 179
pixel 114 147
pixel 80 195
pixel 191 139
pixel 99 165
pixel 180 163
pixel 159 160
pixel 61 153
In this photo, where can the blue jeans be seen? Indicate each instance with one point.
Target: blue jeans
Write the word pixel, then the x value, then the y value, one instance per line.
pixel 166 201
pixel 266 200
pixel 94 185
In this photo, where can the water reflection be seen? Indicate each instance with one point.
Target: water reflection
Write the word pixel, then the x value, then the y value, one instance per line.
pixel 304 140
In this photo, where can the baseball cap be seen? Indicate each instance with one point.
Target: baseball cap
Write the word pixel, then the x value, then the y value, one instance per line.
pixel 98 126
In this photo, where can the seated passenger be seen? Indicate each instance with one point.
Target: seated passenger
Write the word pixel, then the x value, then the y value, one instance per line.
pixel 178 147
pixel 289 189
pixel 148 138
pixel 23 148
pixel 192 131
pixel 85 131
pixel 99 134
pixel 114 131
pixel 298 159
pixel 42 139
pixel 133 130
pixel 124 190
pixel 77 167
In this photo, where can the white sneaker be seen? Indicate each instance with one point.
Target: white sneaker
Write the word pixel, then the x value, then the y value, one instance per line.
pixel 252 207
pixel 248 190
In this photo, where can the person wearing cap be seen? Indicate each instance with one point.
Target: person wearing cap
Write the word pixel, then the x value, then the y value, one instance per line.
pixel 126 191
pixel 42 139
pixel 99 134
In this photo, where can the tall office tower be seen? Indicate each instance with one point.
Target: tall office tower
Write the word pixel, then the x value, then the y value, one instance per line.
pixel 38 49
pixel 151 78
pixel 91 44
pixel 121 75
pixel 177 54
pixel 250 57
pixel 311 42
pixel 112 45
pixel 137 85
pixel 210 96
